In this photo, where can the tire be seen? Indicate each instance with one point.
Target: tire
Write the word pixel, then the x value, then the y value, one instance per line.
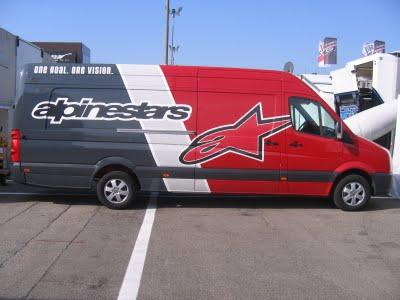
pixel 116 190
pixel 352 193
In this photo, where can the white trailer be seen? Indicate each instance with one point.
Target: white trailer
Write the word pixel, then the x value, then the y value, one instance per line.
pixel 361 85
pixel 14 53
pixel 379 72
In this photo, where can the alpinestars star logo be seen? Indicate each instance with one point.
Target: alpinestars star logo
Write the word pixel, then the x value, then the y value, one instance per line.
pixel 244 137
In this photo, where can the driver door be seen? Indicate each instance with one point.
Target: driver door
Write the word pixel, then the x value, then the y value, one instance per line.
pixel 312 150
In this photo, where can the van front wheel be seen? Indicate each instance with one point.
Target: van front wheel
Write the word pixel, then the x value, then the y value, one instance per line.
pixel 116 190
pixel 352 193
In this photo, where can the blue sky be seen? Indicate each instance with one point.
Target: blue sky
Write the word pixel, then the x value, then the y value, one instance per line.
pixel 257 34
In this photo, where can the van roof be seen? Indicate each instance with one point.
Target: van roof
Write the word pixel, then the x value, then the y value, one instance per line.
pixel 32 76
pixel 141 69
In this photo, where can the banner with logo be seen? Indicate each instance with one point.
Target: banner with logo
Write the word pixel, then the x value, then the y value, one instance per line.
pixel 373 47
pixel 327 52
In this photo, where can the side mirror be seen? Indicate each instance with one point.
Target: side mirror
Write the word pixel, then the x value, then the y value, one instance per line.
pixel 339 130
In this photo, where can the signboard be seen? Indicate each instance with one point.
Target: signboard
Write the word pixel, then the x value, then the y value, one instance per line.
pixel 63 56
pixel 66 52
pixel 347 111
pixel 373 47
pixel 327 52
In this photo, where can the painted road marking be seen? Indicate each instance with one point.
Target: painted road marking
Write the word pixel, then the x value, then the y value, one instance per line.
pixel 131 283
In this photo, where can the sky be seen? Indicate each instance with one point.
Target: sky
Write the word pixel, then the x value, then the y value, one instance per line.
pixel 256 34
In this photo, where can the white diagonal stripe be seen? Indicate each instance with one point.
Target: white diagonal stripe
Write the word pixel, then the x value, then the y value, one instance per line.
pixel 147 83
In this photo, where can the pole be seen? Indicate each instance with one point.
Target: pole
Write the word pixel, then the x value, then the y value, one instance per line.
pixel 166 30
pixel 172 41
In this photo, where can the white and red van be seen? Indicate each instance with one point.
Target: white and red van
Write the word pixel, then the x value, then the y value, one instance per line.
pixel 123 128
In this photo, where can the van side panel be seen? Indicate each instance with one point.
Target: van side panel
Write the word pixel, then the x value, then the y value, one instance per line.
pixel 80 128
pixel 240 126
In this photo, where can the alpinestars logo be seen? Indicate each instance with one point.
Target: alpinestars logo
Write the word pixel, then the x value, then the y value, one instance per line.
pixel 86 109
pixel 244 137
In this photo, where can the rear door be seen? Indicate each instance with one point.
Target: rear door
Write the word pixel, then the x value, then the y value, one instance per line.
pixel 239 136
pixel 312 151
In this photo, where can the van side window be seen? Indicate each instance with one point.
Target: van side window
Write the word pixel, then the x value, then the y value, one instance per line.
pixel 309 117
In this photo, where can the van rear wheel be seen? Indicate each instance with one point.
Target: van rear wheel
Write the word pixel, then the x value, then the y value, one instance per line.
pixel 352 193
pixel 116 190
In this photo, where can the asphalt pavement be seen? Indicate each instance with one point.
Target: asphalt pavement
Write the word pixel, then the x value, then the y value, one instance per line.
pixel 63 246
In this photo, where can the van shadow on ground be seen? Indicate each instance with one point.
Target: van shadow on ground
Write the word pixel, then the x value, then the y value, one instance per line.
pixel 254 202
pixel 203 201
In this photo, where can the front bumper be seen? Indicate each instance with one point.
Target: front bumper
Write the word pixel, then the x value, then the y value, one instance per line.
pixel 381 184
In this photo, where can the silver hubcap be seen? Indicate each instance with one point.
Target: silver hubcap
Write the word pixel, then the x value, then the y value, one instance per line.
pixel 353 193
pixel 116 190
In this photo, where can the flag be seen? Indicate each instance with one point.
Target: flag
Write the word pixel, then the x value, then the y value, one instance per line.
pixel 327 52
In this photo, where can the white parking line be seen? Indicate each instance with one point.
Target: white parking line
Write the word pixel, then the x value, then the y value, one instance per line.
pixel 131 283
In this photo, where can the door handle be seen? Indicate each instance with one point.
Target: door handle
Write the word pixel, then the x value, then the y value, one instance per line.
pixel 295 144
pixel 271 143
